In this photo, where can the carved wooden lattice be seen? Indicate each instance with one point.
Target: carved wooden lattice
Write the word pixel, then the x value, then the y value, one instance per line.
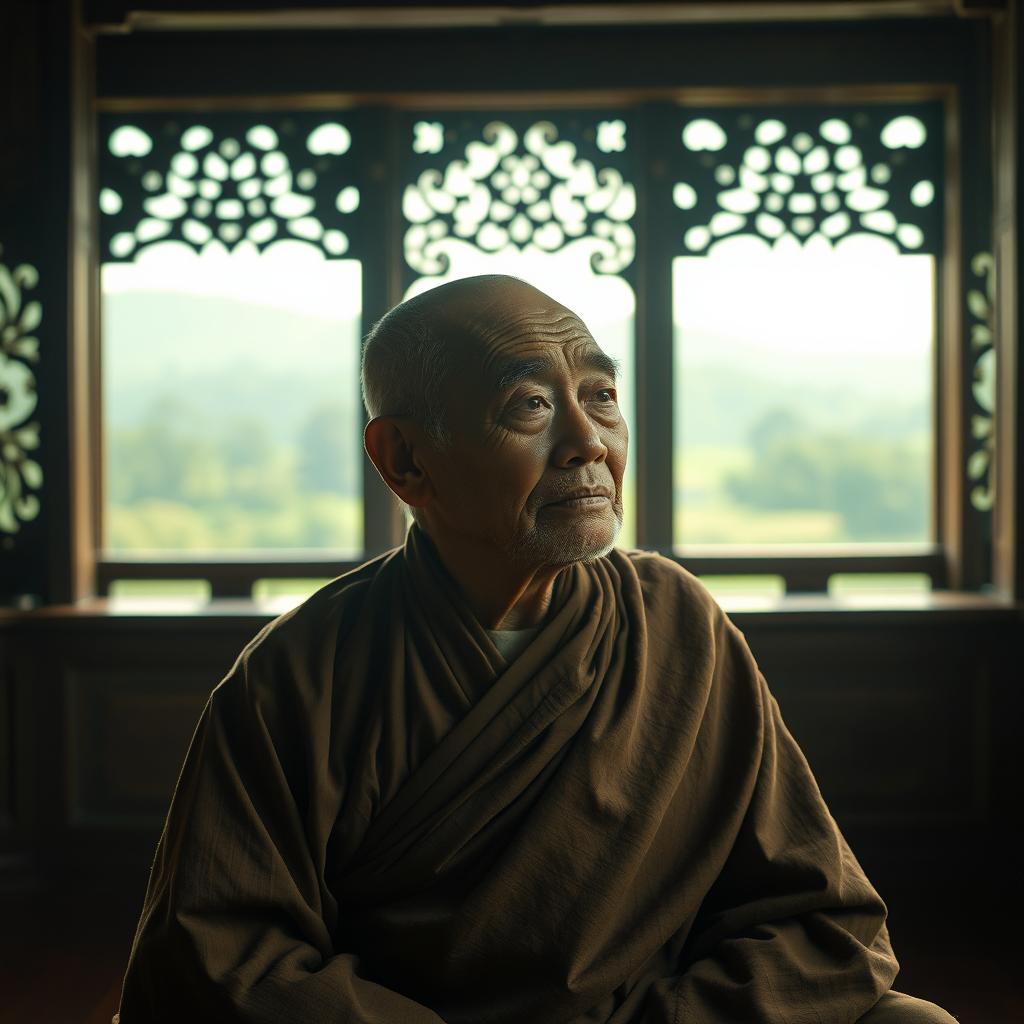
pixel 540 181
pixel 529 182
pixel 982 359
pixel 800 172
pixel 228 177
pixel 20 474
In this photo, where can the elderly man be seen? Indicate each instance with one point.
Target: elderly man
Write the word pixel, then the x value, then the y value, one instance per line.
pixel 506 773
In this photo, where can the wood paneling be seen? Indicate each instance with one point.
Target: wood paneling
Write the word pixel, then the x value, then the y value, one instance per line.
pixel 894 722
pixel 128 732
pixel 528 57
pixel 6 751
pixel 900 715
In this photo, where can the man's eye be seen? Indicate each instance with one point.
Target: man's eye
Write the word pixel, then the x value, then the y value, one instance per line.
pixel 606 391
pixel 534 398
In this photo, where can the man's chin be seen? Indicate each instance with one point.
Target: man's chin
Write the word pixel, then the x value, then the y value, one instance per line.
pixel 578 543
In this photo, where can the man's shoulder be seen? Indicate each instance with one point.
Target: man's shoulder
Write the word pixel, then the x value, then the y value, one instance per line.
pixel 664 579
pixel 327 605
pixel 303 641
pixel 680 610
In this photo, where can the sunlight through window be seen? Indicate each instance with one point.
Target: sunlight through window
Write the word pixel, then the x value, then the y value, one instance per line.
pixel 232 399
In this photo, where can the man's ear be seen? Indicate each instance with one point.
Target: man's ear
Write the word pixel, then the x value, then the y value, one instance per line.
pixel 393 445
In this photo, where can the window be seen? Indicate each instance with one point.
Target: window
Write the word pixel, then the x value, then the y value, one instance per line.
pixel 231 327
pixel 774 269
pixel 804 312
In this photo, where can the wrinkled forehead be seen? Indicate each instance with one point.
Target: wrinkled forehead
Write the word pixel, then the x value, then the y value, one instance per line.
pixel 495 353
pixel 488 329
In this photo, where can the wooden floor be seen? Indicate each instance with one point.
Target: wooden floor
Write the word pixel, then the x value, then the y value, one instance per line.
pixel 62 958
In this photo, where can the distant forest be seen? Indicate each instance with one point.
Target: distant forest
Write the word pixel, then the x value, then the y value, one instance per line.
pixel 239 427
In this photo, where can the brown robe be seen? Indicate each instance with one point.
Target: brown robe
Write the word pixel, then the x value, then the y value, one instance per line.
pixel 379 820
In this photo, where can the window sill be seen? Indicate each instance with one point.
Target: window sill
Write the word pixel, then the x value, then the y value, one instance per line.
pixel 803 609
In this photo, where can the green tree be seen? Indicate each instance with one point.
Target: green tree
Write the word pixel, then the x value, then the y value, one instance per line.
pixel 878 486
pixel 330 447
pixel 176 483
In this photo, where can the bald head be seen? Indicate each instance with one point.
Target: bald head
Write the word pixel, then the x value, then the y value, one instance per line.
pixel 409 354
pixel 525 404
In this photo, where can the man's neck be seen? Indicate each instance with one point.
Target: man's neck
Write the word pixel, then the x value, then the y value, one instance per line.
pixel 501 596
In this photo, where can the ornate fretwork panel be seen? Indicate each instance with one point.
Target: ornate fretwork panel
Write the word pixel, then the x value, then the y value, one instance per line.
pixel 982 359
pixel 226 177
pixel 530 183
pixel 20 474
pixel 801 172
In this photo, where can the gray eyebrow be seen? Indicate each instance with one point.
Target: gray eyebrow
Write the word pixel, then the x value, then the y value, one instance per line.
pixel 510 372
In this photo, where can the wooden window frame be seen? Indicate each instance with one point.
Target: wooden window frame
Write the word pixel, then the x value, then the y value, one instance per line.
pixel 952 562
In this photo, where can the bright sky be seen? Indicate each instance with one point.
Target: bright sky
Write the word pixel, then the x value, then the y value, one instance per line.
pixel 861 297
pixel 288 275
pixel 565 275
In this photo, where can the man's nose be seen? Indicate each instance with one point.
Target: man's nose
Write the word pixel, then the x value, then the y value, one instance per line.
pixel 579 440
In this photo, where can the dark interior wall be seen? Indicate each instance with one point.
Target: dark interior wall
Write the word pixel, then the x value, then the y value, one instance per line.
pixel 118 12
pixel 908 719
pixel 595 57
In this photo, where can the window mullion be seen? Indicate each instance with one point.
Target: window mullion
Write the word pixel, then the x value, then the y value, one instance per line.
pixel 652 448
pixel 969 336
pixel 380 246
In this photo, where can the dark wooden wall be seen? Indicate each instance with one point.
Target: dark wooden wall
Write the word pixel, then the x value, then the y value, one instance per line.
pixel 908 718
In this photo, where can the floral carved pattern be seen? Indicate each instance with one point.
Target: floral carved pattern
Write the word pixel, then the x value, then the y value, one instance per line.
pixel 812 172
pixel 980 304
pixel 520 188
pixel 20 474
pixel 225 179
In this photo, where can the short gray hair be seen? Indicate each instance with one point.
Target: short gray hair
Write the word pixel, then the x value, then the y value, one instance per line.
pixel 404 369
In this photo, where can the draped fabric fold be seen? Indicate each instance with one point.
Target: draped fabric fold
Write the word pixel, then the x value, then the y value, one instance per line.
pixel 380 819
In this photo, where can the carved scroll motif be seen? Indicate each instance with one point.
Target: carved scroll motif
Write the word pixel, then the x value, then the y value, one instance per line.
pixel 232 181
pixel 982 354
pixel 21 477
pixel 528 189
pixel 811 175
